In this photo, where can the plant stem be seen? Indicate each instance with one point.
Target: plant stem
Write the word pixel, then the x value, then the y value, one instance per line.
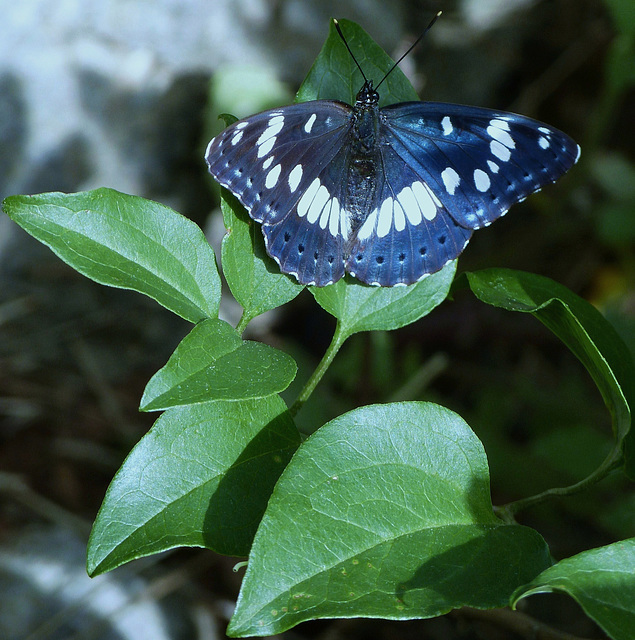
pixel 243 322
pixel 611 462
pixel 337 341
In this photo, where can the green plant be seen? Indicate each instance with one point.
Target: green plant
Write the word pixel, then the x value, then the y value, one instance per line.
pixel 385 511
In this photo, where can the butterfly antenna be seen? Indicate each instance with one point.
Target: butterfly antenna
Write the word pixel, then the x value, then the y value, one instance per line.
pixel 339 30
pixel 410 48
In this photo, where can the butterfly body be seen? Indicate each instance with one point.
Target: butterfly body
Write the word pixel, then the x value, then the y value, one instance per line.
pixel 389 194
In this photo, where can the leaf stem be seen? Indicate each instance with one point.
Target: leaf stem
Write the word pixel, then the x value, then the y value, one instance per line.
pixel 611 462
pixel 339 337
pixel 245 319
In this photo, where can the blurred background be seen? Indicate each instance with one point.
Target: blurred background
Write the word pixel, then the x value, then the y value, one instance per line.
pixel 126 94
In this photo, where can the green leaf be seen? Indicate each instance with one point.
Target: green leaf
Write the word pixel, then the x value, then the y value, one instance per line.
pixel 623 15
pixel 384 512
pixel 359 307
pixel 253 277
pixel 601 580
pixel 335 76
pixel 620 71
pixel 581 327
pixel 213 363
pixel 126 242
pixel 200 477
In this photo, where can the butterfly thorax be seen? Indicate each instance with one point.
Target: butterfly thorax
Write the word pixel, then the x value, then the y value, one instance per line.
pixel 364 151
pixel 365 120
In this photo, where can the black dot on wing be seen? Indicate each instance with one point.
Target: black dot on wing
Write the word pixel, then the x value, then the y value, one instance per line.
pixel 359 257
pixel 379 259
pixel 402 257
pixel 316 255
pixel 287 236
pixel 423 251
pixel 330 259
pixel 300 248
pixel 441 239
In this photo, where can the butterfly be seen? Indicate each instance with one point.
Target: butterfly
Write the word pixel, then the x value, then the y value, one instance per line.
pixel 389 195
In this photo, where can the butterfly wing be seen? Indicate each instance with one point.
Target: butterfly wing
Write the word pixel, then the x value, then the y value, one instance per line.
pixel 287 167
pixel 478 162
pixel 448 169
pixel 409 233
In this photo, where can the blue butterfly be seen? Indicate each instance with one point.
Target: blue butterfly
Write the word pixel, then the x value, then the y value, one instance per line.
pixel 388 195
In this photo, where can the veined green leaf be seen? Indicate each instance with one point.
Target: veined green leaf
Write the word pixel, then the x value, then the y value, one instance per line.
pixel 213 363
pixel 582 328
pixel 359 307
pixel 127 242
pixel 253 277
pixel 201 477
pixel 602 581
pixel 383 512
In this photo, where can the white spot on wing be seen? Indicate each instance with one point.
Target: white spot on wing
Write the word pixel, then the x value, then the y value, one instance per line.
pixel 500 123
pixel 315 209
pixel 424 199
pixel 500 150
pixel 446 123
pixel 268 137
pixel 368 227
pixel 326 212
pixel 308 197
pixel 544 130
pixel 294 177
pixel 481 180
pixel 543 143
pixel 267 163
pixel 236 138
pixel 385 218
pixel 266 147
pixel 334 218
pixel 451 180
pixel 400 218
pixel 501 135
pixel 343 223
pixel 408 201
pixel 578 154
pixel 494 168
pixel 272 177
pixel 309 123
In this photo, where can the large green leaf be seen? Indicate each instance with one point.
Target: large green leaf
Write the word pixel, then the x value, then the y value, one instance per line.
pixel 383 512
pixel 359 307
pixel 601 580
pixel 200 477
pixel 213 363
pixel 127 242
pixel 254 278
pixel 581 327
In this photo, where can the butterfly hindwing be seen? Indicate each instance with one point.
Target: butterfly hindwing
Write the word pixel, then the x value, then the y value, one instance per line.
pixel 309 240
pixel 408 233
